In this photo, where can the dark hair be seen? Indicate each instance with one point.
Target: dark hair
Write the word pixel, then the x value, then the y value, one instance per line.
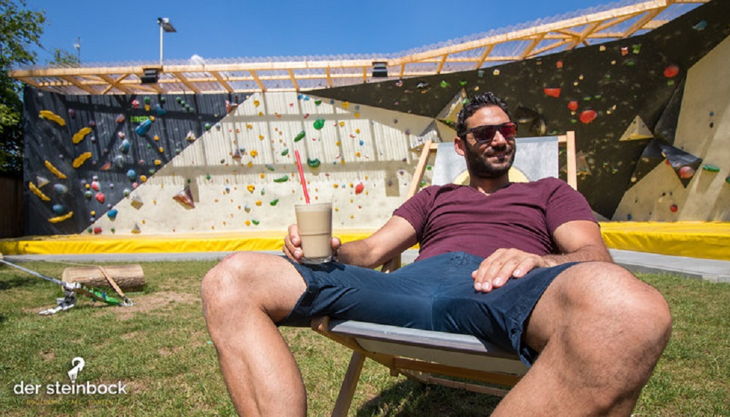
pixel 476 103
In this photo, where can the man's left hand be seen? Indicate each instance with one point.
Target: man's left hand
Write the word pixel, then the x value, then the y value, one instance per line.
pixel 502 265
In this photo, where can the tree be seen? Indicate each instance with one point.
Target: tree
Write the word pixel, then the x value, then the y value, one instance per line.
pixel 63 58
pixel 19 30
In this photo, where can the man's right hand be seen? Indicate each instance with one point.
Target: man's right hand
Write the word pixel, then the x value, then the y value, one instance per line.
pixel 293 244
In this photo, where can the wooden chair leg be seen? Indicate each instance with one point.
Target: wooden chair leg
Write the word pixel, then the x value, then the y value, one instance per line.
pixel 347 391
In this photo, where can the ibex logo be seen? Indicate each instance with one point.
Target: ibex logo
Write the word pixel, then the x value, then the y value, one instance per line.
pixel 58 388
pixel 78 364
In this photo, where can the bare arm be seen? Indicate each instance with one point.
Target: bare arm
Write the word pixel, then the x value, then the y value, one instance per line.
pixel 393 238
pixel 579 241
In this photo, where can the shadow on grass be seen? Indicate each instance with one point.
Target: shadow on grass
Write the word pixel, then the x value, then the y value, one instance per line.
pixel 409 398
pixel 7 283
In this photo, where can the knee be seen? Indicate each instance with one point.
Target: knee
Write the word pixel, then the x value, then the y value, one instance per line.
pixel 229 279
pixel 637 312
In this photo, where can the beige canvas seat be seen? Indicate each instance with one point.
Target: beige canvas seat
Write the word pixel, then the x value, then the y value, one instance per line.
pixel 454 360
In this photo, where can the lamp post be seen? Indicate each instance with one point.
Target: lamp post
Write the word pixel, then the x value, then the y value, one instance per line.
pixel 165 26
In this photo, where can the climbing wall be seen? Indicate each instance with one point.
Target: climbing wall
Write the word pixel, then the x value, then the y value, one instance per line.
pixel 621 98
pixel 700 192
pixel 241 174
pixel 83 154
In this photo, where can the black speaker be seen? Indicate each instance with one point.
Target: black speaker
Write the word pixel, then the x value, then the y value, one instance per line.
pixel 150 76
pixel 380 69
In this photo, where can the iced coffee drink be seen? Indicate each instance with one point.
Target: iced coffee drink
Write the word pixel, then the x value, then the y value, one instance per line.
pixel 315 229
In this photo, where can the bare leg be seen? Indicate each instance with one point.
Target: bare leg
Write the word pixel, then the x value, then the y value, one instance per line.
pixel 600 332
pixel 243 296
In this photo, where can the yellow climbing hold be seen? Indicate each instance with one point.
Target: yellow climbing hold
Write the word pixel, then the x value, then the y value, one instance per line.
pixel 54 170
pixel 61 218
pixel 158 162
pixel 258 202
pixel 253 153
pixel 81 159
pixel 345 104
pixel 261 137
pixel 342 124
pixel 81 134
pixel 256 103
pixel 251 188
pixel 49 115
pixel 37 191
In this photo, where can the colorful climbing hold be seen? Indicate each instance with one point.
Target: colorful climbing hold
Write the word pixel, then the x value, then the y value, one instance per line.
pixel 81 159
pixel 143 127
pixel 185 198
pixel 120 118
pixel 313 163
pixel 251 188
pixel 132 175
pixel 35 190
pixel 686 172
pixel 274 202
pixel 588 116
pixel 80 135
pixel 112 214
pixel 673 208
pixel 285 152
pixel 285 178
pixel 125 146
pixel 58 209
pixel 699 26
pixel 573 105
pixel 54 170
pixel 359 188
pixel 100 197
pixel 552 92
pixel 49 115
pixel 711 168
pixel 60 188
pixel 61 218
pixel 318 124
pixel 671 71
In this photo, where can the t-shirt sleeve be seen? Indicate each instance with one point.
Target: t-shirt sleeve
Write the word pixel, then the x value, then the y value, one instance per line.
pixel 565 204
pixel 415 210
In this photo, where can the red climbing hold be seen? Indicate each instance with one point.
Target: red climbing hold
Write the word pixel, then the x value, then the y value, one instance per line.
pixel 588 116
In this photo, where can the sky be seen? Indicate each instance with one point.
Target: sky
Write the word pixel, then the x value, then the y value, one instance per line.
pixel 127 31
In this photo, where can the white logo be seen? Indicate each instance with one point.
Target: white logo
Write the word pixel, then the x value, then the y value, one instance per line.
pixel 78 364
pixel 58 388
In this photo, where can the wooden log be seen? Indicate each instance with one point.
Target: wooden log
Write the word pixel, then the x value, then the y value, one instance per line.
pixel 128 277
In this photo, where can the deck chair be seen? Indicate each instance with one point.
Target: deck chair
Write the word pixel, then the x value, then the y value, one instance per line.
pixel 453 360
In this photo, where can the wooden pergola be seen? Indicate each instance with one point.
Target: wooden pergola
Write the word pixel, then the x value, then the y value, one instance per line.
pixel 320 72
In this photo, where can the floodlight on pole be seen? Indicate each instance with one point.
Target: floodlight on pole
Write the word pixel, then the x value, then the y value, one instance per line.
pixel 165 26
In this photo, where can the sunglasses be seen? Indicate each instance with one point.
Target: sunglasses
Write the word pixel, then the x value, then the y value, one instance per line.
pixel 485 133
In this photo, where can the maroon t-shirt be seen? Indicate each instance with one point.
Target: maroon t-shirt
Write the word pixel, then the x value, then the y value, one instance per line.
pixel 458 218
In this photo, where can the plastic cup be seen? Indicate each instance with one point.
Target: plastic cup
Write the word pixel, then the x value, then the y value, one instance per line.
pixel 315 229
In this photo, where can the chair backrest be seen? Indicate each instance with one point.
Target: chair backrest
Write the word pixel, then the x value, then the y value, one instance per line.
pixel 536 158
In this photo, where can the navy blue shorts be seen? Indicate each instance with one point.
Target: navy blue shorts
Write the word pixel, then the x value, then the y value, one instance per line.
pixel 433 294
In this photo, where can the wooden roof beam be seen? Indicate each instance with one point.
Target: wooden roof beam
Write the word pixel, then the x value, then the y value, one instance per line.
pixel 221 81
pixel 183 79
pixel 114 83
pixel 554 45
pixel 487 50
pixel 256 78
pixel 78 84
pixel 441 63
pixel 585 34
pixel 293 80
pixel 526 52
pixel 402 70
pixel 328 77
pixel 650 15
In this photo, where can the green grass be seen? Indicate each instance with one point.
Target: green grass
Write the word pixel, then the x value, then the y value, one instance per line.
pixel 161 350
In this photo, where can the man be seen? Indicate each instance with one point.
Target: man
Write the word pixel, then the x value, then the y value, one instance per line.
pixel 522 265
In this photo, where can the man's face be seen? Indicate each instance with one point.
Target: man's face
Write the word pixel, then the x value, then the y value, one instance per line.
pixel 487 159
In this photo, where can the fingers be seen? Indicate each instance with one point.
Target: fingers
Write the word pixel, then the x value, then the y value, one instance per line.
pixel 292 244
pixel 502 265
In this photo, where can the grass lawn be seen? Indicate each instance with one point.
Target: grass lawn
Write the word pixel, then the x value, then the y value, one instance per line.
pixel 161 351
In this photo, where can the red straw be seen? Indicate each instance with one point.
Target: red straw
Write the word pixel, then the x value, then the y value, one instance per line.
pixel 301 176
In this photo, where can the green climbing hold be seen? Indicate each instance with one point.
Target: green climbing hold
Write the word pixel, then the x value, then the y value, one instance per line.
pixel 285 178
pixel 727 179
pixel 207 177
pixel 285 152
pixel 270 167
pixel 274 202
pixel 319 124
pixel 462 83
pixel 444 84
pixel 317 102
pixel 422 184
pixel 313 163
pixel 299 136
pixel 711 168
pixel 255 222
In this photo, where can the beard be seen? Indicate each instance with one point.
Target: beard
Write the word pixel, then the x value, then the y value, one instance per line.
pixel 479 165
